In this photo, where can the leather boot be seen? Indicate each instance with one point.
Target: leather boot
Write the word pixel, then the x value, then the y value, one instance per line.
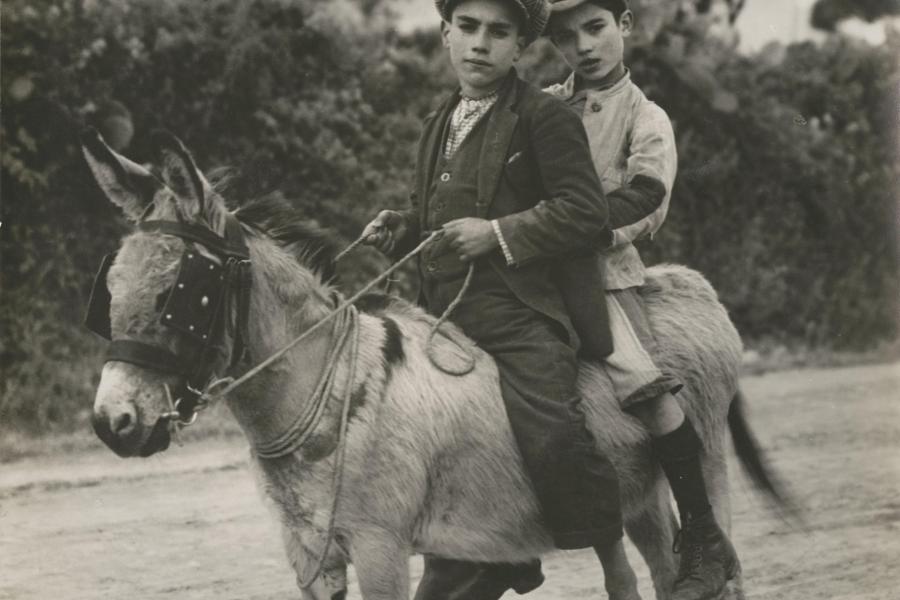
pixel 708 560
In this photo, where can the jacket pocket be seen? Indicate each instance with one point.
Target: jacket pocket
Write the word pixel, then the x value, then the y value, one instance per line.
pixel 519 172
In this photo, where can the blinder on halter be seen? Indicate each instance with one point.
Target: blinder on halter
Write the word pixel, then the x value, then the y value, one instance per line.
pixel 192 304
pixel 196 296
pixel 195 307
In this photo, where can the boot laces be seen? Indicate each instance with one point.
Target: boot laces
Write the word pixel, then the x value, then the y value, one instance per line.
pixel 691 551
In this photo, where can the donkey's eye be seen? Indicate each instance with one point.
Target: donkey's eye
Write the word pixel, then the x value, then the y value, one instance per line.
pixel 161 299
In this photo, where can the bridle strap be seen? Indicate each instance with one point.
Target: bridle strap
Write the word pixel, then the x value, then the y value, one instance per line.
pixel 146 356
pixel 240 278
pixel 232 246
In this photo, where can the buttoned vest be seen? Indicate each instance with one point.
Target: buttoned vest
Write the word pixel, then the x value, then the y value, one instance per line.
pixel 453 194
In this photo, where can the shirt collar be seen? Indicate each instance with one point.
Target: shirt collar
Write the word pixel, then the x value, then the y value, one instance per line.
pixel 569 94
pixel 472 103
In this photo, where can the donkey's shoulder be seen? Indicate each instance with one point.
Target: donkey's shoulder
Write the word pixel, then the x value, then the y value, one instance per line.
pixel 379 304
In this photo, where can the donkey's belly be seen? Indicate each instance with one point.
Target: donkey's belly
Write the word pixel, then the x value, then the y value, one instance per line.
pixel 483 510
pixel 478 502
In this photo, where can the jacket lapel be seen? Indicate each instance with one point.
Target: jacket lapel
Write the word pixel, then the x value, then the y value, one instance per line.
pixel 500 128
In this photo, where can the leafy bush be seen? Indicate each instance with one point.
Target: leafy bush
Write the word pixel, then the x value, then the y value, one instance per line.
pixel 788 205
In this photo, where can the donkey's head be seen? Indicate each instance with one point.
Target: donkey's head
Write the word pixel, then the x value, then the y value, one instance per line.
pixel 164 299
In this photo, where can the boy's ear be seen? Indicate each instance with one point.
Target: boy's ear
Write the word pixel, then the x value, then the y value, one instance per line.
pixel 626 23
pixel 445 31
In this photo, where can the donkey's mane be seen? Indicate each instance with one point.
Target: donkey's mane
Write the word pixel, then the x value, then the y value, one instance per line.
pixel 315 248
pixel 312 246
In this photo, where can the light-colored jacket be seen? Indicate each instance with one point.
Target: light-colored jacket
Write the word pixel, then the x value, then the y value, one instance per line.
pixel 629 135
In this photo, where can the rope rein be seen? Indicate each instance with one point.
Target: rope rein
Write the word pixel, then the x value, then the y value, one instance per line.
pixel 305 423
pixel 337 475
pixel 353 246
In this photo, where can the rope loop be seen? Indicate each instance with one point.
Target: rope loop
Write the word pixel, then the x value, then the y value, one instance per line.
pixel 429 342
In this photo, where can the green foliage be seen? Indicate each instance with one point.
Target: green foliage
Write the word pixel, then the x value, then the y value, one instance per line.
pixel 786 204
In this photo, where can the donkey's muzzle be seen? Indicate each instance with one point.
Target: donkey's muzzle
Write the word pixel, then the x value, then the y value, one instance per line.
pixel 122 431
pixel 119 430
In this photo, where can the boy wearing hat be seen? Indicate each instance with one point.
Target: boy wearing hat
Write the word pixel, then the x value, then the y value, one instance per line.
pixel 633 149
pixel 504 171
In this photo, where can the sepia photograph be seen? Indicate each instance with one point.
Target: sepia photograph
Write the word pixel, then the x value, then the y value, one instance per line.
pixel 450 299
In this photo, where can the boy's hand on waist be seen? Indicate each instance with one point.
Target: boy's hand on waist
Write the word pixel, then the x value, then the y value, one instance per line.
pixel 470 237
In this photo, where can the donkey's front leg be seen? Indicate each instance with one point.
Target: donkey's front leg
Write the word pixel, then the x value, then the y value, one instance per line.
pixel 331 584
pixel 381 559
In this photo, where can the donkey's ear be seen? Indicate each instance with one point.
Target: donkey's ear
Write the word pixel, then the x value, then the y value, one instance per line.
pixel 180 173
pixel 127 184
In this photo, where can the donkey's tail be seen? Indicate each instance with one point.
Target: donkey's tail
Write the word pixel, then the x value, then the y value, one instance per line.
pixel 751 457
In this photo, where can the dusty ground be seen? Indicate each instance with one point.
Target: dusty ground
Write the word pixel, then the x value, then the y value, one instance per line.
pixel 188 524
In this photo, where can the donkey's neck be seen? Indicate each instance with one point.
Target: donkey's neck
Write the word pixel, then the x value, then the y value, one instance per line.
pixel 286 300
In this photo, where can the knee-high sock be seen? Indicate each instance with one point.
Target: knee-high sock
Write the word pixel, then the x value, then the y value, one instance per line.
pixel 679 454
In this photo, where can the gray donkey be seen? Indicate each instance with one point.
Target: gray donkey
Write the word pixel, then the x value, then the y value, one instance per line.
pixel 413 460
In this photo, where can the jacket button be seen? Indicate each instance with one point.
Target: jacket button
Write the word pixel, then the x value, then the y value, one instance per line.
pixel 431 266
pixel 439 207
pixel 596 107
pixel 445 177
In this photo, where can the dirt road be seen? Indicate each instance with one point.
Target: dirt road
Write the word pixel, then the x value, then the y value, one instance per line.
pixel 188 524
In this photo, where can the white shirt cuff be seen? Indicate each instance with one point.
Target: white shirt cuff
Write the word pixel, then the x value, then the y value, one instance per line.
pixel 503 246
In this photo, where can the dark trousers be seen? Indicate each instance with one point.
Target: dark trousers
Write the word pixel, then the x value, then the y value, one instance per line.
pixel 576 487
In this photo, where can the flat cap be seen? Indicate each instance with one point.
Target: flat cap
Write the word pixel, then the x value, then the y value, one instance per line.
pixel 536 13
pixel 558 6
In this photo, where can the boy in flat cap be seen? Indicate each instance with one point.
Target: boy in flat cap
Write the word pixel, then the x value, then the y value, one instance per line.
pixel 633 149
pixel 504 171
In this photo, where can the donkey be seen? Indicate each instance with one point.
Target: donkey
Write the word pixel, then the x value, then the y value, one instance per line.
pixel 422 461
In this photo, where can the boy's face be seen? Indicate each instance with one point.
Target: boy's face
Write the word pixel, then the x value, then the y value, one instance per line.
pixel 484 41
pixel 590 39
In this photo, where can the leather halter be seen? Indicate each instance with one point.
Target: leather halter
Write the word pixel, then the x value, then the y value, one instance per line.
pixel 197 307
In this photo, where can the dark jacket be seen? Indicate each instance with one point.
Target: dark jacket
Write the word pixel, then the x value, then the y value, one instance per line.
pixel 536 177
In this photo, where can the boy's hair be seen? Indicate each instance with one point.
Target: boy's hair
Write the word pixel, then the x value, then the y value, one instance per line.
pixel 616 7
